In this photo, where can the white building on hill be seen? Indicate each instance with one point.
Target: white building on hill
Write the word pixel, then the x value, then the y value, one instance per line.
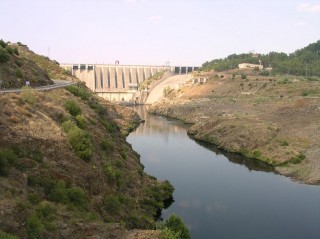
pixel 249 65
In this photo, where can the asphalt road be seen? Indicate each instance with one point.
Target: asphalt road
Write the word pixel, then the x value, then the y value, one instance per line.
pixel 57 84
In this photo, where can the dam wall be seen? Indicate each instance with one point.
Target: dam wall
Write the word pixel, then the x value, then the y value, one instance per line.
pixel 119 82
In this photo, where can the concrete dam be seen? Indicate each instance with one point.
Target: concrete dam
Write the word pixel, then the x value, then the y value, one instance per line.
pixel 120 83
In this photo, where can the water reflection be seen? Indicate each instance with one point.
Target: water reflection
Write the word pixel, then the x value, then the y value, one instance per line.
pixel 237 158
pixel 219 199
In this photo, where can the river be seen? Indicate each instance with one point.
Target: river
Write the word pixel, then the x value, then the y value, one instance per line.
pixel 220 195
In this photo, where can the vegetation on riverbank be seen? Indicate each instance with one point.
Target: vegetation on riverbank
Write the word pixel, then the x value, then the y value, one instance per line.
pixel 66 170
pixel 273 119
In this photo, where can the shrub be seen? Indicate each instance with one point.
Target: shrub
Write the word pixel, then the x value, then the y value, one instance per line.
pixel 4 55
pixel 79 91
pixel 4 235
pixel 283 142
pixel 166 91
pixel 30 152
pixel 34 198
pixel 45 211
pixel 80 142
pixel 8 158
pixel 18 63
pixel 256 153
pixel 77 197
pixel 72 107
pixel 265 73
pixel 177 227
pixel 81 122
pixel 16 51
pixel 79 139
pixel 243 76
pixel 107 145
pixel 166 233
pixel 29 95
pixel 112 204
pixel 59 193
pixel 109 125
pixel 67 126
pixel 19 73
pixel 297 159
pixel 35 227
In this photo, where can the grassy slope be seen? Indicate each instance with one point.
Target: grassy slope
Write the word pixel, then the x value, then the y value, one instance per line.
pixel 66 169
pixel 52 67
pixel 16 70
pixel 273 119
pixel 47 190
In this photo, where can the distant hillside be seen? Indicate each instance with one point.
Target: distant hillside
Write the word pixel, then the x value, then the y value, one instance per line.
pixel 15 69
pixel 51 66
pixel 305 61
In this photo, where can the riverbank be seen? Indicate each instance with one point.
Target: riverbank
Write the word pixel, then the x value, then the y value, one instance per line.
pixel 271 119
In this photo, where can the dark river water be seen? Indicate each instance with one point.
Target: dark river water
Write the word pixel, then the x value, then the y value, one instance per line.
pixel 220 195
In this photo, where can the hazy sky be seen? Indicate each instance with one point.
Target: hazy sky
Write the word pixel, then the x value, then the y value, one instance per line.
pixel 183 32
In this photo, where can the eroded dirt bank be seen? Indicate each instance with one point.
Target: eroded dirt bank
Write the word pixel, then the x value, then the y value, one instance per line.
pixel 272 119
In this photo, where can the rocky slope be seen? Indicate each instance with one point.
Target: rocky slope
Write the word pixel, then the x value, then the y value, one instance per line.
pixel 272 119
pixel 66 170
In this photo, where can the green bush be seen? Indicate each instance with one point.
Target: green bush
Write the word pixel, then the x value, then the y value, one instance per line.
pixel 59 192
pixel 175 224
pixel 45 211
pixel 109 125
pixel 35 227
pixel 166 91
pixel 29 95
pixel 34 198
pixel 256 153
pixel 8 158
pixel 107 145
pixel 77 197
pixel 30 152
pixel 81 121
pixel 18 63
pixel 72 107
pixel 166 233
pixel 16 51
pixel 67 126
pixel 297 159
pixel 112 204
pixel 79 91
pixel 81 143
pixel 265 73
pixel 4 55
pixel 243 76
pixel 19 73
pixel 79 139
pixel 283 142
pixel 174 228
pixel 5 235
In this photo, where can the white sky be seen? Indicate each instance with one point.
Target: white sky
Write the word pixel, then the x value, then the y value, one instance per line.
pixel 183 32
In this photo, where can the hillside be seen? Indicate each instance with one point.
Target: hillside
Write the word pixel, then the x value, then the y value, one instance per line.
pixel 66 170
pixel 302 62
pixel 51 66
pixel 15 69
pixel 274 119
